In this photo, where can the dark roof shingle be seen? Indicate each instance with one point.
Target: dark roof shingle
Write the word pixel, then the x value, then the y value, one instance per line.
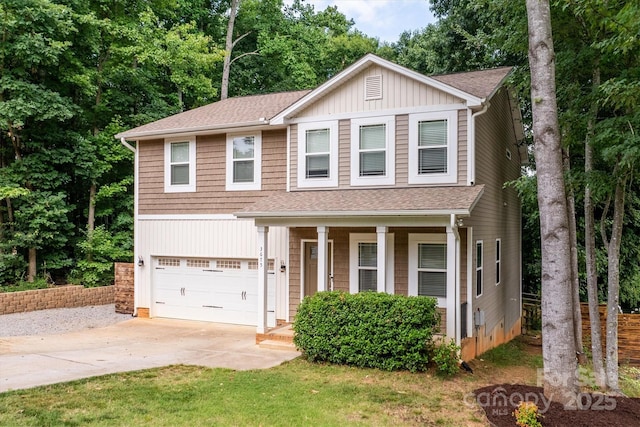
pixel 390 201
pixel 231 111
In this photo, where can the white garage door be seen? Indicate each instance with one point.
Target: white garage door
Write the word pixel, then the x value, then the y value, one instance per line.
pixel 212 290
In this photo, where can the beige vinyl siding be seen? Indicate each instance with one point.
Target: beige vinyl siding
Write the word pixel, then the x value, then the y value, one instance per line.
pixel 293 156
pixel 497 215
pixel 402 150
pixel 462 147
pixel 398 92
pixel 344 150
pixel 210 196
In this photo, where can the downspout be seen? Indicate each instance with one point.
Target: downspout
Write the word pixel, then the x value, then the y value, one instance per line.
pixel 135 223
pixel 471 143
pixel 454 229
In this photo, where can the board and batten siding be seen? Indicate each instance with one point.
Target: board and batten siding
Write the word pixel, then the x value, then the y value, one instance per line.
pixel 401 154
pixel 217 238
pixel 398 91
pixel 210 196
pixel 497 216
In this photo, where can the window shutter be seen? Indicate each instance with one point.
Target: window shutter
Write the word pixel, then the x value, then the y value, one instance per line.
pixel 372 87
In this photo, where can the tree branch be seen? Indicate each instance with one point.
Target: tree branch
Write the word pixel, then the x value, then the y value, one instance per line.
pixel 238 39
pixel 255 52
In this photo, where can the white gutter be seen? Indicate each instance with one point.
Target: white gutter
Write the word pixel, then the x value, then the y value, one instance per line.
pixel 471 144
pixel 339 214
pixel 135 225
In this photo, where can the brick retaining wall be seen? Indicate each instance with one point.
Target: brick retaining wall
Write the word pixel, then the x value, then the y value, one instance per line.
pixel 124 287
pixel 58 297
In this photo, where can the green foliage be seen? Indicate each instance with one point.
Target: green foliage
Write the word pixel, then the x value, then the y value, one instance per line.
pixel 100 249
pixel 445 356
pixel 368 329
pixel 527 415
pixel 21 285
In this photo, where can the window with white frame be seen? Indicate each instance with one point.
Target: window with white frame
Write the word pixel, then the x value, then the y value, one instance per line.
pixel 318 154
pixel 244 162
pixel 363 262
pixel 367 266
pixel 427 266
pixel 433 148
pixel 498 260
pixel 180 166
pixel 479 268
pixel 373 151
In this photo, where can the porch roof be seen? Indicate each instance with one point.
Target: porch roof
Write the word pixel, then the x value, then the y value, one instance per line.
pixel 414 201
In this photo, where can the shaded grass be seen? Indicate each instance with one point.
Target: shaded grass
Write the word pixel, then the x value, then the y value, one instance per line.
pixel 296 393
pixel 25 286
pixel 513 353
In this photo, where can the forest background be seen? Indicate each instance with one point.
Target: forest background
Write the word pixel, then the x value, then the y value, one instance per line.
pixel 75 72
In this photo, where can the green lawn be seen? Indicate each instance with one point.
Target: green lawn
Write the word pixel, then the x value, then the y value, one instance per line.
pixel 297 393
pixel 294 394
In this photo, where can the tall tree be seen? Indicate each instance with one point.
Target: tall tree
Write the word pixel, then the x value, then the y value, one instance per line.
pixel 558 350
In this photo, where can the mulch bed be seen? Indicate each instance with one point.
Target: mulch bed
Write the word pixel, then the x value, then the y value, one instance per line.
pixel 499 401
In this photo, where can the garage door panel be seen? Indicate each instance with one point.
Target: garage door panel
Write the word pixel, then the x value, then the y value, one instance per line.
pixel 223 291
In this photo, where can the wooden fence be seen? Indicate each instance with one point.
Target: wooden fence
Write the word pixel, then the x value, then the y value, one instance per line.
pixel 628 333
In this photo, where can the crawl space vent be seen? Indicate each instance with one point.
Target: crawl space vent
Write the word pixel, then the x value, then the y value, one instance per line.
pixel 372 87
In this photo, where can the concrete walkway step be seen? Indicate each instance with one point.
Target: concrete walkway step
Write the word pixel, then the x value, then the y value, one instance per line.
pixel 277 345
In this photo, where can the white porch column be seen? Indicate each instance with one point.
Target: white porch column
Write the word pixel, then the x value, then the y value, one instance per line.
pixel 452 263
pixel 323 258
pixel 263 264
pixel 382 258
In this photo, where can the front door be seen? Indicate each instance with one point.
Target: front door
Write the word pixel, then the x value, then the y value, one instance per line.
pixel 310 278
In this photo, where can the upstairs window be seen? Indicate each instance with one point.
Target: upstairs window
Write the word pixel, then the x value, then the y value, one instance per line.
pixel 318 154
pixel 373 151
pixel 433 148
pixel 180 166
pixel 243 162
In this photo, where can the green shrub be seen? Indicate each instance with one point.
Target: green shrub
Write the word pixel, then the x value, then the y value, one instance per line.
pixel 527 415
pixel 368 329
pixel 445 357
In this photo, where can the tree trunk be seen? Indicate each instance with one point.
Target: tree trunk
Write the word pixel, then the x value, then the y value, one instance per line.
pixel 31 274
pixel 228 47
pixel 575 283
pixel 613 295
pixel 91 217
pixel 558 346
pixel 590 249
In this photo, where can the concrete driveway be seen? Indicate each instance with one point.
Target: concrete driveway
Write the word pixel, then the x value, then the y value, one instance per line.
pixel 128 346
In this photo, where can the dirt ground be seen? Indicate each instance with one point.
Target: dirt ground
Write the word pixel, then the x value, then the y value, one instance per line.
pixel 499 400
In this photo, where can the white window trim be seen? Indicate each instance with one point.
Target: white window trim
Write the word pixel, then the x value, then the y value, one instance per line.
pixel 451 177
pixel 498 261
pixel 390 157
pixel 414 241
pixel 257 163
pixel 332 180
pixel 179 188
pixel 481 268
pixel 354 239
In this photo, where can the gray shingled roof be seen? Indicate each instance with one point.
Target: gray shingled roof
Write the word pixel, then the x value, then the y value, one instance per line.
pixel 388 201
pixel 231 112
pixel 478 83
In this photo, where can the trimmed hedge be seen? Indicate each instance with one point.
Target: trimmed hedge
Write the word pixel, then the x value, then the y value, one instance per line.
pixel 368 329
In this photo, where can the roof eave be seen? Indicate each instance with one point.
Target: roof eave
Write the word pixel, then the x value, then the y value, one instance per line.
pixel 351 214
pixel 190 130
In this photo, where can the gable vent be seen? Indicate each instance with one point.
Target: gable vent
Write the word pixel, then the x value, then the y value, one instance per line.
pixel 372 87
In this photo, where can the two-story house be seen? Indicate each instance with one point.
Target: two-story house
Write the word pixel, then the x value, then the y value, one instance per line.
pixel 381 179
